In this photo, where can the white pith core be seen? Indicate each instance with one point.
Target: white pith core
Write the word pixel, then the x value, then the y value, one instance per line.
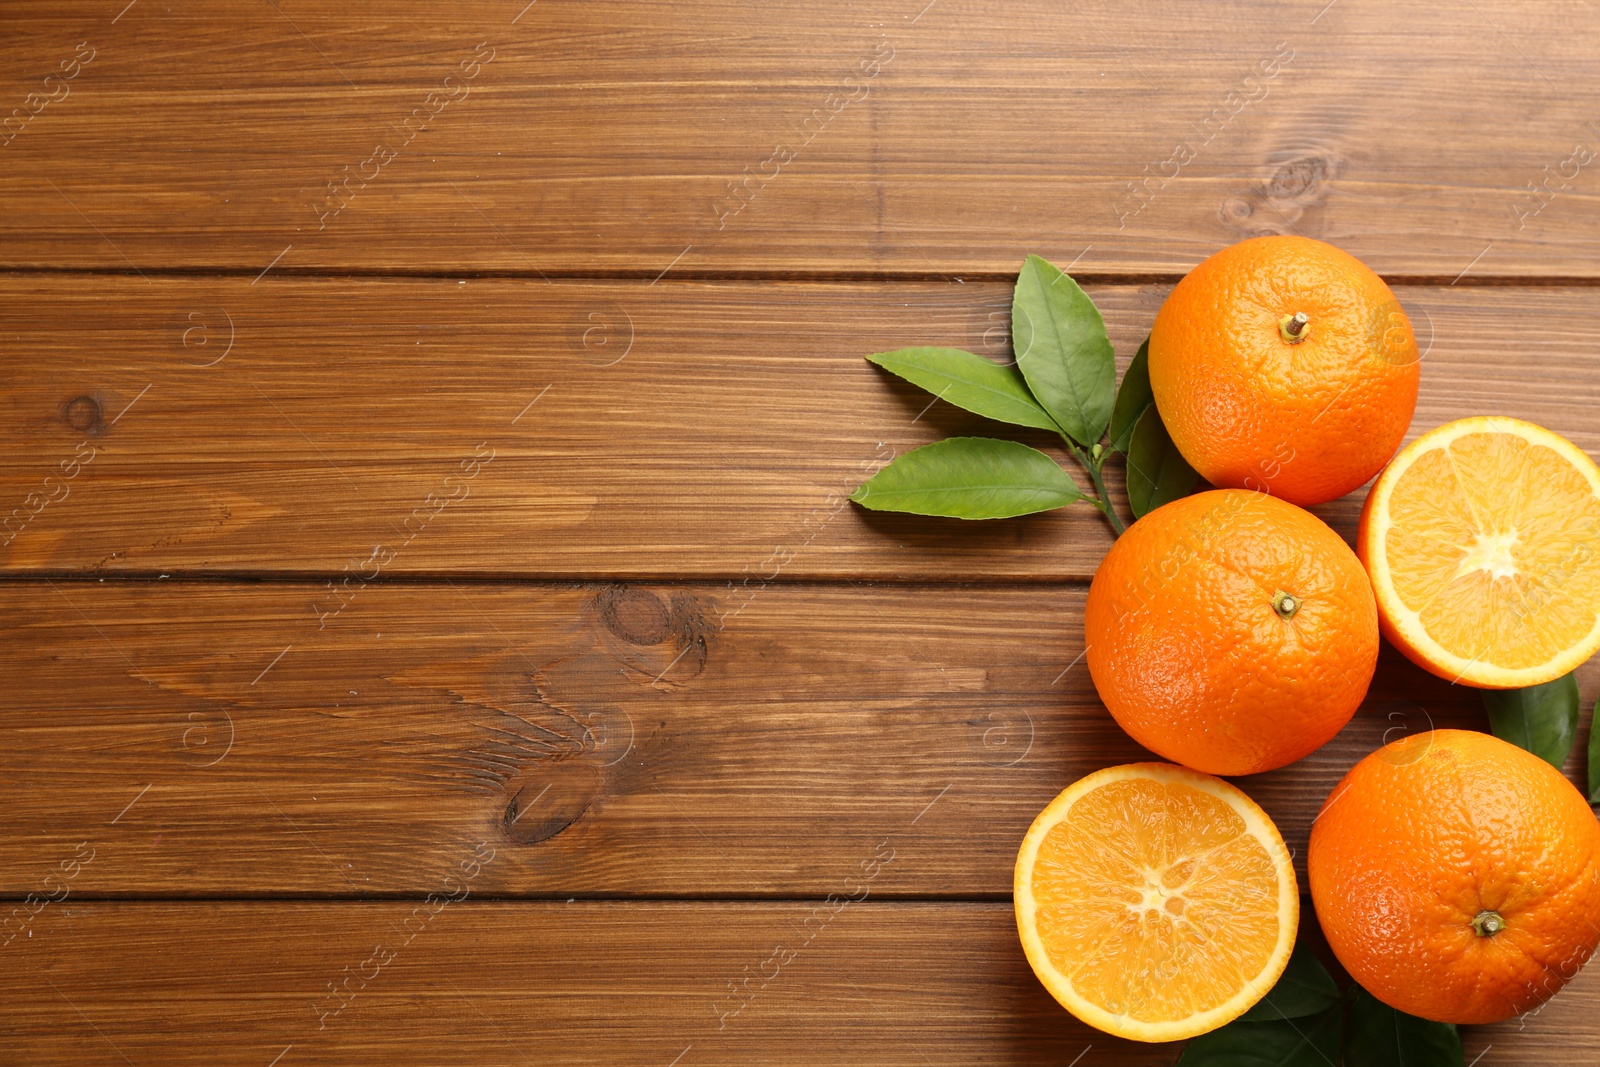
pixel 1491 552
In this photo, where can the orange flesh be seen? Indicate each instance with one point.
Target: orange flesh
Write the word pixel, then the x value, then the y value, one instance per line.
pixel 1155 901
pixel 1494 546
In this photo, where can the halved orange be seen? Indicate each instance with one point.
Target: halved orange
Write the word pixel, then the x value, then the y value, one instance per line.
pixel 1482 540
pixel 1155 902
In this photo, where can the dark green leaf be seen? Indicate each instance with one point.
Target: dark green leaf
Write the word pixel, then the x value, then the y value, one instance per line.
pixel 970 478
pixel 1594 763
pixel 968 381
pixel 1063 351
pixel 1383 1037
pixel 1133 396
pixel 1306 988
pixel 1541 718
pixel 1157 473
pixel 1311 1041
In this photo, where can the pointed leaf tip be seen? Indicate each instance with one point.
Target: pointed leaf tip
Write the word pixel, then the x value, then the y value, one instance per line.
pixel 1062 350
pixel 1594 763
pixel 1540 718
pixel 968 381
pixel 1133 396
pixel 1157 472
pixel 970 478
pixel 1305 988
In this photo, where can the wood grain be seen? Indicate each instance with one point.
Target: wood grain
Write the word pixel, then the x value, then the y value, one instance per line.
pixel 677 740
pixel 608 136
pixel 688 430
pixel 422 520
pixel 582 983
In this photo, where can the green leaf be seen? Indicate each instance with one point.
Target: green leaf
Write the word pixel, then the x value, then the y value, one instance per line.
pixel 1541 718
pixel 1383 1037
pixel 1133 396
pixel 1157 473
pixel 1062 350
pixel 1311 1041
pixel 1306 988
pixel 969 381
pixel 970 478
pixel 1594 763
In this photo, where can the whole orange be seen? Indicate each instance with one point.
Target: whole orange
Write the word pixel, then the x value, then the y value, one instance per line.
pixel 1231 632
pixel 1457 877
pixel 1254 399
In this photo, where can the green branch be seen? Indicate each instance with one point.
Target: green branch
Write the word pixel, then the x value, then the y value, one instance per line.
pixel 1092 463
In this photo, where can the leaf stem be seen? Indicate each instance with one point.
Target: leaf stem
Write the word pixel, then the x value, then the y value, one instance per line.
pixel 1103 500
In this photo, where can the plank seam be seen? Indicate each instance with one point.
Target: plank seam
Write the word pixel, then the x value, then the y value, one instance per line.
pixel 511 898
pixel 168 577
pixel 681 277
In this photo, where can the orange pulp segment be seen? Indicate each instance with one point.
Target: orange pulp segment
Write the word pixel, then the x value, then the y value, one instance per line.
pixel 1155 902
pixel 1482 540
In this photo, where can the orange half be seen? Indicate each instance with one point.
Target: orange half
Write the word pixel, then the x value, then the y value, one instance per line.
pixel 1155 902
pixel 1482 540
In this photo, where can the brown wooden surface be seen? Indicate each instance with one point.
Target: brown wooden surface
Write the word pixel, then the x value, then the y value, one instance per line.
pixel 720 445
pixel 500 511
pixel 603 134
pixel 610 740
pixel 475 982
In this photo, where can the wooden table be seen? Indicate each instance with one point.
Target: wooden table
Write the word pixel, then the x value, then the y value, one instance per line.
pixel 434 631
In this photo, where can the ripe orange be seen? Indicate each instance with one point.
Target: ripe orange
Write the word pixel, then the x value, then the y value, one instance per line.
pixel 1457 877
pixel 1253 406
pixel 1483 542
pixel 1155 903
pixel 1231 632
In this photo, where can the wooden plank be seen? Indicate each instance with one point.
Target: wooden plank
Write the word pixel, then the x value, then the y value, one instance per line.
pixel 795 136
pixel 688 430
pixel 209 739
pixel 685 984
